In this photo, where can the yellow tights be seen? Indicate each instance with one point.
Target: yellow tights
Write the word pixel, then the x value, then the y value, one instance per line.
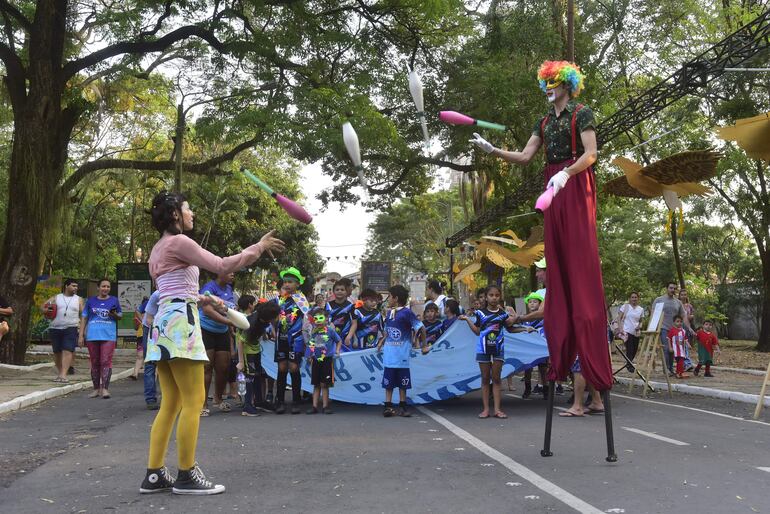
pixel 181 383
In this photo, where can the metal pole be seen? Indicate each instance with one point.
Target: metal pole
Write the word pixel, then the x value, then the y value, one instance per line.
pixel 611 455
pixel 546 451
pixel 451 271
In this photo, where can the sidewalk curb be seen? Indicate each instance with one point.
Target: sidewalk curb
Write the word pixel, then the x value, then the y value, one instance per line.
pixel 735 396
pixel 755 372
pixel 27 368
pixel 35 397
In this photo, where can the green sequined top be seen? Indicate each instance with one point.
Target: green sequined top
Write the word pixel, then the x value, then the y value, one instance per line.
pixel 558 136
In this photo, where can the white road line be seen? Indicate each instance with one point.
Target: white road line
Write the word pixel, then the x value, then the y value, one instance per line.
pixel 764 469
pixel 522 471
pixel 737 418
pixel 656 436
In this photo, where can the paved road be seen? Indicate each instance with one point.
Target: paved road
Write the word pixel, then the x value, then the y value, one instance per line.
pixel 76 454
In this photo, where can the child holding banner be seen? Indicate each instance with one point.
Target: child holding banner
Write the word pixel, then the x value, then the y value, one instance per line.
pixel 321 345
pixel 433 325
pixel 488 324
pixel 367 320
pixel 451 310
pixel 397 343
pixel 340 312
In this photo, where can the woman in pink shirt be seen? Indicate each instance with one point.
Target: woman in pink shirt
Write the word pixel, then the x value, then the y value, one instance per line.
pixel 176 343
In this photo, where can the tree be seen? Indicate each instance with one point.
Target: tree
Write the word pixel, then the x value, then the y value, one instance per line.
pixel 325 57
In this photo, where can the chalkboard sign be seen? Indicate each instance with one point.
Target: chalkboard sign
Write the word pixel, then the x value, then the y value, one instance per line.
pixel 134 284
pixel 376 275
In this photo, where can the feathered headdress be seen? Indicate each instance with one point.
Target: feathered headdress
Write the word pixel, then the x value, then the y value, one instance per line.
pixel 553 73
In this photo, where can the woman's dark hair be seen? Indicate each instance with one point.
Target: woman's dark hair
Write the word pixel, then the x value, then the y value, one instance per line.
pixel 105 279
pixel 452 306
pixel 435 286
pixel 70 281
pixel 493 286
pixel 246 300
pixel 164 205
pixel 259 320
pixel 400 293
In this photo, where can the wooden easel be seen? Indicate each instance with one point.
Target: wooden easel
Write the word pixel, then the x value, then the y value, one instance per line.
pixel 761 400
pixel 647 350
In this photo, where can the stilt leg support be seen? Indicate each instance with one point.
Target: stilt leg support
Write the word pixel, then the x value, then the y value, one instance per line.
pixel 546 451
pixel 611 455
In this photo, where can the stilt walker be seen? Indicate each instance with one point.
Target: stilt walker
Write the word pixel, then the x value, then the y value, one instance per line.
pixel 575 314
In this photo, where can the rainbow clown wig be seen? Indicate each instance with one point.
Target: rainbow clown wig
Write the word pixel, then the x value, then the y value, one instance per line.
pixel 553 73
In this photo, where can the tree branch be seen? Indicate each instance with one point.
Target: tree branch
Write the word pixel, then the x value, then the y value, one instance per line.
pixel 207 167
pixel 15 76
pixel 13 11
pixel 142 47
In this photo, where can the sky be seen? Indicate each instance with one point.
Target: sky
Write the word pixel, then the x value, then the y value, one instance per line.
pixel 340 233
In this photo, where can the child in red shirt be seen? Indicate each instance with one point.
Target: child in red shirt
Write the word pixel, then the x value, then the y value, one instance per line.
pixel 677 339
pixel 707 344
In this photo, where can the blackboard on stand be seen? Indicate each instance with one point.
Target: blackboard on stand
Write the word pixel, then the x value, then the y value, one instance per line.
pixel 376 275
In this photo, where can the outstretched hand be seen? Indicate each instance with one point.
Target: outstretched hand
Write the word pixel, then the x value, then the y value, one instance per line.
pixel 270 243
pixel 482 143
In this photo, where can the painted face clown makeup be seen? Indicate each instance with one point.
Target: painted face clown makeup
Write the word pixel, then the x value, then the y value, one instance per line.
pixel 550 92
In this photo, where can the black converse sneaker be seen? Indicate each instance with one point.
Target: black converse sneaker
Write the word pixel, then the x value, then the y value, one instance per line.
pixel 156 481
pixel 193 481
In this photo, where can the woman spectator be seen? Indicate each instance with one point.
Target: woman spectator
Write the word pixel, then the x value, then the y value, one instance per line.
pixel 99 330
pixel 689 311
pixel 217 338
pixel 630 324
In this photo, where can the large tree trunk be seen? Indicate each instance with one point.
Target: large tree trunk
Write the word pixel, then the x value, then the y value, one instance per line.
pixel 41 131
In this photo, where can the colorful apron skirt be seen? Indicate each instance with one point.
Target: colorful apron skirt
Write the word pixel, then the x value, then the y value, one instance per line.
pixel 176 332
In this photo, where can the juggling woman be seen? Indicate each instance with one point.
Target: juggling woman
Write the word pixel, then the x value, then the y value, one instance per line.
pixel 176 343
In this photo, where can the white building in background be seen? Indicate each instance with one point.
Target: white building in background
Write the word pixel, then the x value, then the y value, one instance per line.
pixel 325 283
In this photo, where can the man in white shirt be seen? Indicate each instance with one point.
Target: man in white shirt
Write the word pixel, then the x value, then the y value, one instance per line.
pixel 64 329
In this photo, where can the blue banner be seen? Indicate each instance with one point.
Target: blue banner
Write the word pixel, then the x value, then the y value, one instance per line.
pixel 448 370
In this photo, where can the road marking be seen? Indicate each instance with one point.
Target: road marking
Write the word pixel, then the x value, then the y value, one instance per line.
pixel 764 469
pixel 522 471
pixel 526 399
pixel 656 436
pixel 737 418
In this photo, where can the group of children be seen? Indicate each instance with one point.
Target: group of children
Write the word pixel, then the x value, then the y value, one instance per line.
pixel 678 343
pixel 321 331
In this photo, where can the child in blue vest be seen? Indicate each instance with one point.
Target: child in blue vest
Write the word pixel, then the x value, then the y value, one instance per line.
pixel 397 344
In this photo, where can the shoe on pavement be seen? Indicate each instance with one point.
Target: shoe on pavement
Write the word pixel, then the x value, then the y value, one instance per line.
pixel 389 412
pixel 404 412
pixel 559 390
pixel 250 413
pixel 527 391
pixel 295 408
pixel 71 371
pixel 327 410
pixel 152 406
pixel 708 375
pixel 312 410
pixel 280 408
pixel 193 481
pixel 156 481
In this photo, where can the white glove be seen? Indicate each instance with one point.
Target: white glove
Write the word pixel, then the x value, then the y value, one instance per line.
pixel 482 143
pixel 558 181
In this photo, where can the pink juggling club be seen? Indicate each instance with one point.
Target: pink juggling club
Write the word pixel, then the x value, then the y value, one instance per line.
pixel 292 208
